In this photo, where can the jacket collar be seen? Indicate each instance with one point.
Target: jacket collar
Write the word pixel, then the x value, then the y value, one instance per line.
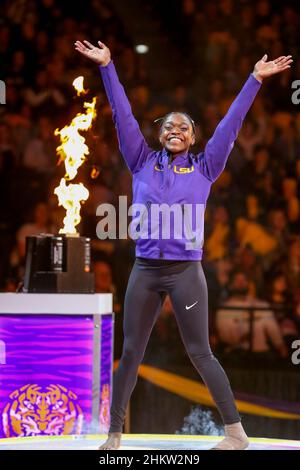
pixel 183 158
pixel 180 158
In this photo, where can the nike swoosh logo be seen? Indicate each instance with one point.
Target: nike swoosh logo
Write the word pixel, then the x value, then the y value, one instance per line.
pixel 190 306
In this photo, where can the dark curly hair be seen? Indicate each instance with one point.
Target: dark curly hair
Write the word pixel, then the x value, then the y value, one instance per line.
pixel 163 119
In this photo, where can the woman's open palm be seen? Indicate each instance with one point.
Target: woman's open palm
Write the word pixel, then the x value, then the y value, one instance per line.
pixel 266 69
pixel 100 55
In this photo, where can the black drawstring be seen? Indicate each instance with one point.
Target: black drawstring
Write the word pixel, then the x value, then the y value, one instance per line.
pixel 160 161
pixel 193 158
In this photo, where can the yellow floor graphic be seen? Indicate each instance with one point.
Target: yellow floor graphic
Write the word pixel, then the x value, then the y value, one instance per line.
pixel 138 442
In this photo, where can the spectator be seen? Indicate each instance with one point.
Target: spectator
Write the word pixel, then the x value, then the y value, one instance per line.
pixel 234 326
pixel 104 283
pixel 282 303
pixel 41 223
pixel 251 136
pixel 43 97
pixel 40 154
pixel 217 241
pixel 254 234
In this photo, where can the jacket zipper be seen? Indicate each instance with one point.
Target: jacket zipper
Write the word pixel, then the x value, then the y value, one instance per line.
pixel 189 228
pixel 166 187
pixel 140 224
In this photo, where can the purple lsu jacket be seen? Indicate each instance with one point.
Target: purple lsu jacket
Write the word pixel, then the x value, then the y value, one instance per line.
pixel 180 187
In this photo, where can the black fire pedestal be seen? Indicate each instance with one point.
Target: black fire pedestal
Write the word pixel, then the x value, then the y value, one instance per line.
pixel 58 264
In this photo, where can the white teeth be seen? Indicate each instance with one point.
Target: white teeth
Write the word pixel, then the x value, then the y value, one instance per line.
pixel 175 138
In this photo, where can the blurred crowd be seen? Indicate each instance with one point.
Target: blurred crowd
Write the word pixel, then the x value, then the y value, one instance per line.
pixel 252 247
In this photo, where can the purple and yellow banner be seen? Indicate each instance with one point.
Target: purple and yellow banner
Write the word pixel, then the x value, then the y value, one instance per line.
pixel 198 393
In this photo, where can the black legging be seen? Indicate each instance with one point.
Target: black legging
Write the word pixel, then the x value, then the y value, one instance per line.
pixel 149 282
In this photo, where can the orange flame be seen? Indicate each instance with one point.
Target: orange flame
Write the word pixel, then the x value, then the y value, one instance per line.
pixel 73 152
pixel 73 149
pixel 70 197
pixel 78 85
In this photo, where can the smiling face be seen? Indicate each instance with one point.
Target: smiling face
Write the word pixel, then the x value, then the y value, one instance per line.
pixel 176 133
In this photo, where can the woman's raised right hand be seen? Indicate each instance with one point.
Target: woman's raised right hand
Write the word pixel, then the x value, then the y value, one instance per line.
pixel 100 55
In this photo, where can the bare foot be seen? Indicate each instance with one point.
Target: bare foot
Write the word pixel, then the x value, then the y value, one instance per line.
pixel 232 443
pixel 112 442
pixel 235 438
